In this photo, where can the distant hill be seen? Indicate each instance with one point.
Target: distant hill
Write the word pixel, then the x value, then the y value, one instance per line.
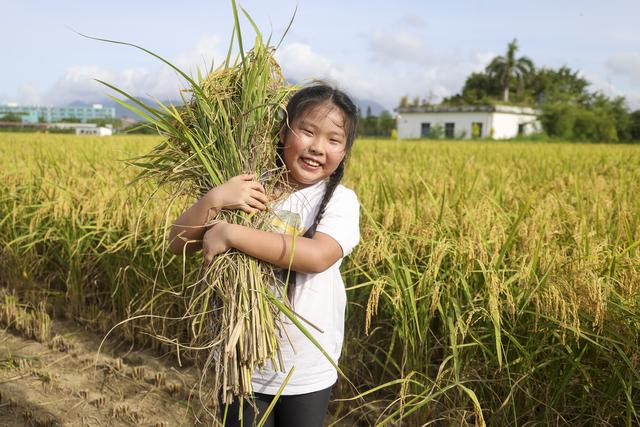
pixel 376 108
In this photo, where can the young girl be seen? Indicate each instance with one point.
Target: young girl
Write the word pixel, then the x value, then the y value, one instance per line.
pixel 315 140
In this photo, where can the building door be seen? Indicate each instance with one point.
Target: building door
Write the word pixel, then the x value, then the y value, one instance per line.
pixel 449 130
pixel 521 129
pixel 425 128
pixel 476 130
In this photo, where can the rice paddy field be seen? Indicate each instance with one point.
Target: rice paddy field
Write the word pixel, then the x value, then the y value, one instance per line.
pixel 496 283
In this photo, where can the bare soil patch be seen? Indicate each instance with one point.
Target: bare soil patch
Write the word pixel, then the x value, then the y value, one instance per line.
pixel 63 382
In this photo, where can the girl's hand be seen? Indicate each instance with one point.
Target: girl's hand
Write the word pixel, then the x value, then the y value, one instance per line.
pixel 215 241
pixel 241 192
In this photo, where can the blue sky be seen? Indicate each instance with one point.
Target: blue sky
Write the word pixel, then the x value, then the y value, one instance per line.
pixel 376 50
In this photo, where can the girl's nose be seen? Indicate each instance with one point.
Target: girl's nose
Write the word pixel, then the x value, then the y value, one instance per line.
pixel 316 147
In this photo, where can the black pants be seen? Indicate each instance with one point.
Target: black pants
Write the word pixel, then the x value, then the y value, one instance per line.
pixel 299 410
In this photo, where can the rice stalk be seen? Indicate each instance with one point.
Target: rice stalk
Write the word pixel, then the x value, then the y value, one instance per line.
pixel 227 125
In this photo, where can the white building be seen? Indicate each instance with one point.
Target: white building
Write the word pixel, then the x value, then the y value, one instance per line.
pixel 464 122
pixel 85 128
pixel 98 130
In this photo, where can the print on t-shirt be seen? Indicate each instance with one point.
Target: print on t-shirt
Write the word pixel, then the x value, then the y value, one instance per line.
pixel 285 222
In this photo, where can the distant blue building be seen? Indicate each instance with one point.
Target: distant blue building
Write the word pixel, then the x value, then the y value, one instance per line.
pixel 36 114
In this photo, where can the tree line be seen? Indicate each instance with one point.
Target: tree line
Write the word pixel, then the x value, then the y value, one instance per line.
pixel 376 126
pixel 570 111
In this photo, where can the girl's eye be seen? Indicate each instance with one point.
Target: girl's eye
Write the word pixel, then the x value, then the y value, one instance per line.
pixel 307 131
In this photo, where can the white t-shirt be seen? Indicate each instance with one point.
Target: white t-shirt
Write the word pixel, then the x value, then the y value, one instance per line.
pixel 319 298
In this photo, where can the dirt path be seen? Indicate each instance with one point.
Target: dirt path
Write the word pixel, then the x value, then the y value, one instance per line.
pixel 59 383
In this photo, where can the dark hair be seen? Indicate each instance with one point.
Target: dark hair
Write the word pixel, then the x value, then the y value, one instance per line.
pixel 300 103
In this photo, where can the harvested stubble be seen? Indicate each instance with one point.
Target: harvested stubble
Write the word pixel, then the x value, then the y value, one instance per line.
pixel 32 323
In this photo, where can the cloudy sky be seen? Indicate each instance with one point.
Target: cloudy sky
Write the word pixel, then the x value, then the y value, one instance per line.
pixel 378 50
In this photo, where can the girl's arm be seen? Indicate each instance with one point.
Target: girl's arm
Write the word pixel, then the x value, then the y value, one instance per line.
pixel 240 192
pixel 311 255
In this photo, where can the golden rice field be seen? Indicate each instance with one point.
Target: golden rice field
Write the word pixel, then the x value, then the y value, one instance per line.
pixel 496 283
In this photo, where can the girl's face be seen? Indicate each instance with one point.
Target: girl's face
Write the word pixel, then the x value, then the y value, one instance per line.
pixel 315 144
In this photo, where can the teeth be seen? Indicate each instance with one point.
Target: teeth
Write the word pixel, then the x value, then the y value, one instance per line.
pixel 311 162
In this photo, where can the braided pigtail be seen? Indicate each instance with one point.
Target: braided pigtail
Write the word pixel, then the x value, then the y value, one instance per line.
pixel 332 184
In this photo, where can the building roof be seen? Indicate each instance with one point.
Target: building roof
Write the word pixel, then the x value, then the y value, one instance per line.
pixel 469 109
pixel 65 125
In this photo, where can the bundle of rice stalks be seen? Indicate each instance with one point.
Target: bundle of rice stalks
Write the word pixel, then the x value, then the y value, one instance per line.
pixel 227 127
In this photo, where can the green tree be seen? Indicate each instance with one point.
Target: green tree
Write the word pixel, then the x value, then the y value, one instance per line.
pixel 558 120
pixel 386 123
pixel 367 126
pixel 507 68
pixel 634 126
pixel 12 117
pixel 381 126
pixel 479 88
pixel 580 123
pixel 615 109
pixel 547 85
pixel 589 125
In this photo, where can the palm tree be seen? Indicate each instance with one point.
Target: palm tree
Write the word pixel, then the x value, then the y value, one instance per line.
pixel 506 68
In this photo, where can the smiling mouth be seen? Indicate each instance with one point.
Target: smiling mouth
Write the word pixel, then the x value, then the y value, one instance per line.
pixel 310 162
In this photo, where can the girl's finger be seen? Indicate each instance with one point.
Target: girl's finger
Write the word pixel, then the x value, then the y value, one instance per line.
pixel 248 209
pixel 256 204
pixel 247 176
pixel 257 186
pixel 260 196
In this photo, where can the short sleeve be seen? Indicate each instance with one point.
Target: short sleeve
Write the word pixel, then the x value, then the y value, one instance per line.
pixel 341 219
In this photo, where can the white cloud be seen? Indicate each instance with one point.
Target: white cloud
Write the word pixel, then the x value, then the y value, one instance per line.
pixel 482 59
pixel 300 62
pixel 203 53
pixel 380 82
pixel 79 83
pixel 398 46
pixel 626 64
pixel 30 94
pixel 435 75
pixel 25 94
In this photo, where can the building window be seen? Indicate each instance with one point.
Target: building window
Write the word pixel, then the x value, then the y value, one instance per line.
pixel 449 130
pixel 425 128
pixel 476 130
